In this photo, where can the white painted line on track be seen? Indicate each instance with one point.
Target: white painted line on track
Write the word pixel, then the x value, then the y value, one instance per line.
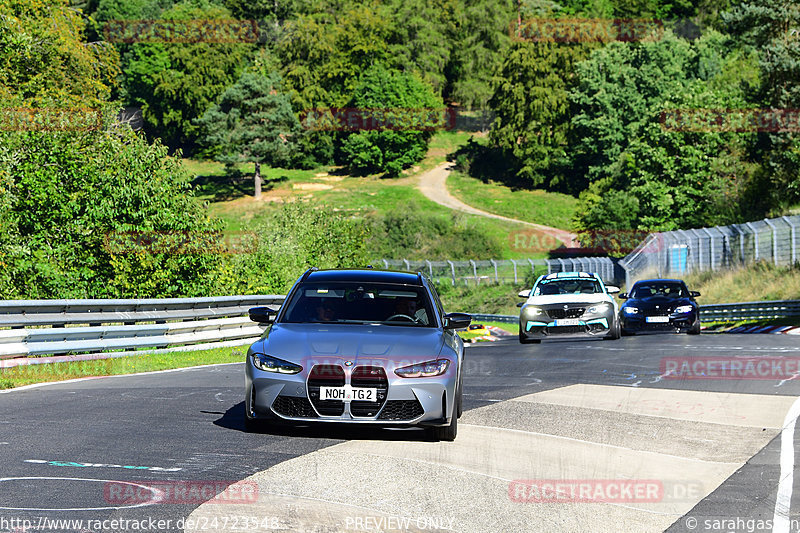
pixel 158 495
pixel 598 444
pixel 783 502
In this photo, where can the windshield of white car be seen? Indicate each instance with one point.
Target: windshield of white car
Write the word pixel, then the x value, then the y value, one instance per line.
pixel 664 289
pixel 359 303
pixel 567 286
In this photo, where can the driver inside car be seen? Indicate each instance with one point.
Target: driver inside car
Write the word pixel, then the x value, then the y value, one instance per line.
pixel 410 308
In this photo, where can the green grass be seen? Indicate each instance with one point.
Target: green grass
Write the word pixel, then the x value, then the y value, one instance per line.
pixel 29 374
pixel 511 328
pixel 488 298
pixel 759 282
pixel 537 206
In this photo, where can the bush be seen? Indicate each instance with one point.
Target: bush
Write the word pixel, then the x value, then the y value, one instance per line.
pixel 409 232
pixel 291 239
pixel 66 193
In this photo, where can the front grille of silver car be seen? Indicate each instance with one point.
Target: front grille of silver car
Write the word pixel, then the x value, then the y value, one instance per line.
pixel 369 377
pixel 401 410
pixel 561 313
pixel 325 376
pixel 293 407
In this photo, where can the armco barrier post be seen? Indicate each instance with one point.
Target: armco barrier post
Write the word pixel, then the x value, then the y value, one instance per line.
pixel 794 243
pixel 710 248
pixel 755 241
pixel 453 272
pixel 774 241
pixel 515 270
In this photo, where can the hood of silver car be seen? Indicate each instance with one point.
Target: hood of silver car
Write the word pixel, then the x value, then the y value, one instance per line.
pixel 353 342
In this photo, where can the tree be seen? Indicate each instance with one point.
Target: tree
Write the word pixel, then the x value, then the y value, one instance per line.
pixel 175 83
pixel 324 53
pixel 531 101
pixel 480 40
pixel 253 122
pixel 645 173
pixel 44 60
pixel 421 42
pixel 773 29
pixel 407 104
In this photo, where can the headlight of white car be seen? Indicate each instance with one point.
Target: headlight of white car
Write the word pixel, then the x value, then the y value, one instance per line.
pixel 532 310
pixel 599 308
pixel 683 309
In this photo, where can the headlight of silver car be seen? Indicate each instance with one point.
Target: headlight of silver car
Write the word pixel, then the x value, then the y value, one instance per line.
pixel 532 310
pixel 599 308
pixel 683 309
pixel 273 364
pixel 428 369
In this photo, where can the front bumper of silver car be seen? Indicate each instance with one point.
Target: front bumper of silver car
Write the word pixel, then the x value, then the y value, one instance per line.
pixel 400 401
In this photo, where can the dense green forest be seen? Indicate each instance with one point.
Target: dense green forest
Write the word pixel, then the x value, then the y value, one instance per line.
pixel 582 115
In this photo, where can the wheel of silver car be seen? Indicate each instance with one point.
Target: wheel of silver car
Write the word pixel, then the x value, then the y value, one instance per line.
pixel 448 432
pixel 251 423
pixel 460 397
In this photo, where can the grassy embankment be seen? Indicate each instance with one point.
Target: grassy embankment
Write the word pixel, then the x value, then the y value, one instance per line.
pixel 373 197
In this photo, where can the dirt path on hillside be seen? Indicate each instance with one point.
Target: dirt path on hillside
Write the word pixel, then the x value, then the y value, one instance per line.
pixel 433 185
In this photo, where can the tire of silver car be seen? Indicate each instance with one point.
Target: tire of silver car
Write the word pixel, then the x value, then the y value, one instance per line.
pixel 447 433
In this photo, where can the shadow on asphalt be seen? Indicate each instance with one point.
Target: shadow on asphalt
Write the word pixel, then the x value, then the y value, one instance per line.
pixel 233 419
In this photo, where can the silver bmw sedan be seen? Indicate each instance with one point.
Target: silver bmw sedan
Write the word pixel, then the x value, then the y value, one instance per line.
pixel 359 347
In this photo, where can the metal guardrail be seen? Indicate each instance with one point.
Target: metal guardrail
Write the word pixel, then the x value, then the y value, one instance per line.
pixel 125 324
pixel 731 312
pixel 750 311
pixel 508 319
pixel 182 322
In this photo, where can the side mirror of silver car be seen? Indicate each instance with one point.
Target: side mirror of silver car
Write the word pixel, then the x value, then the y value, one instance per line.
pixel 457 320
pixel 262 315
